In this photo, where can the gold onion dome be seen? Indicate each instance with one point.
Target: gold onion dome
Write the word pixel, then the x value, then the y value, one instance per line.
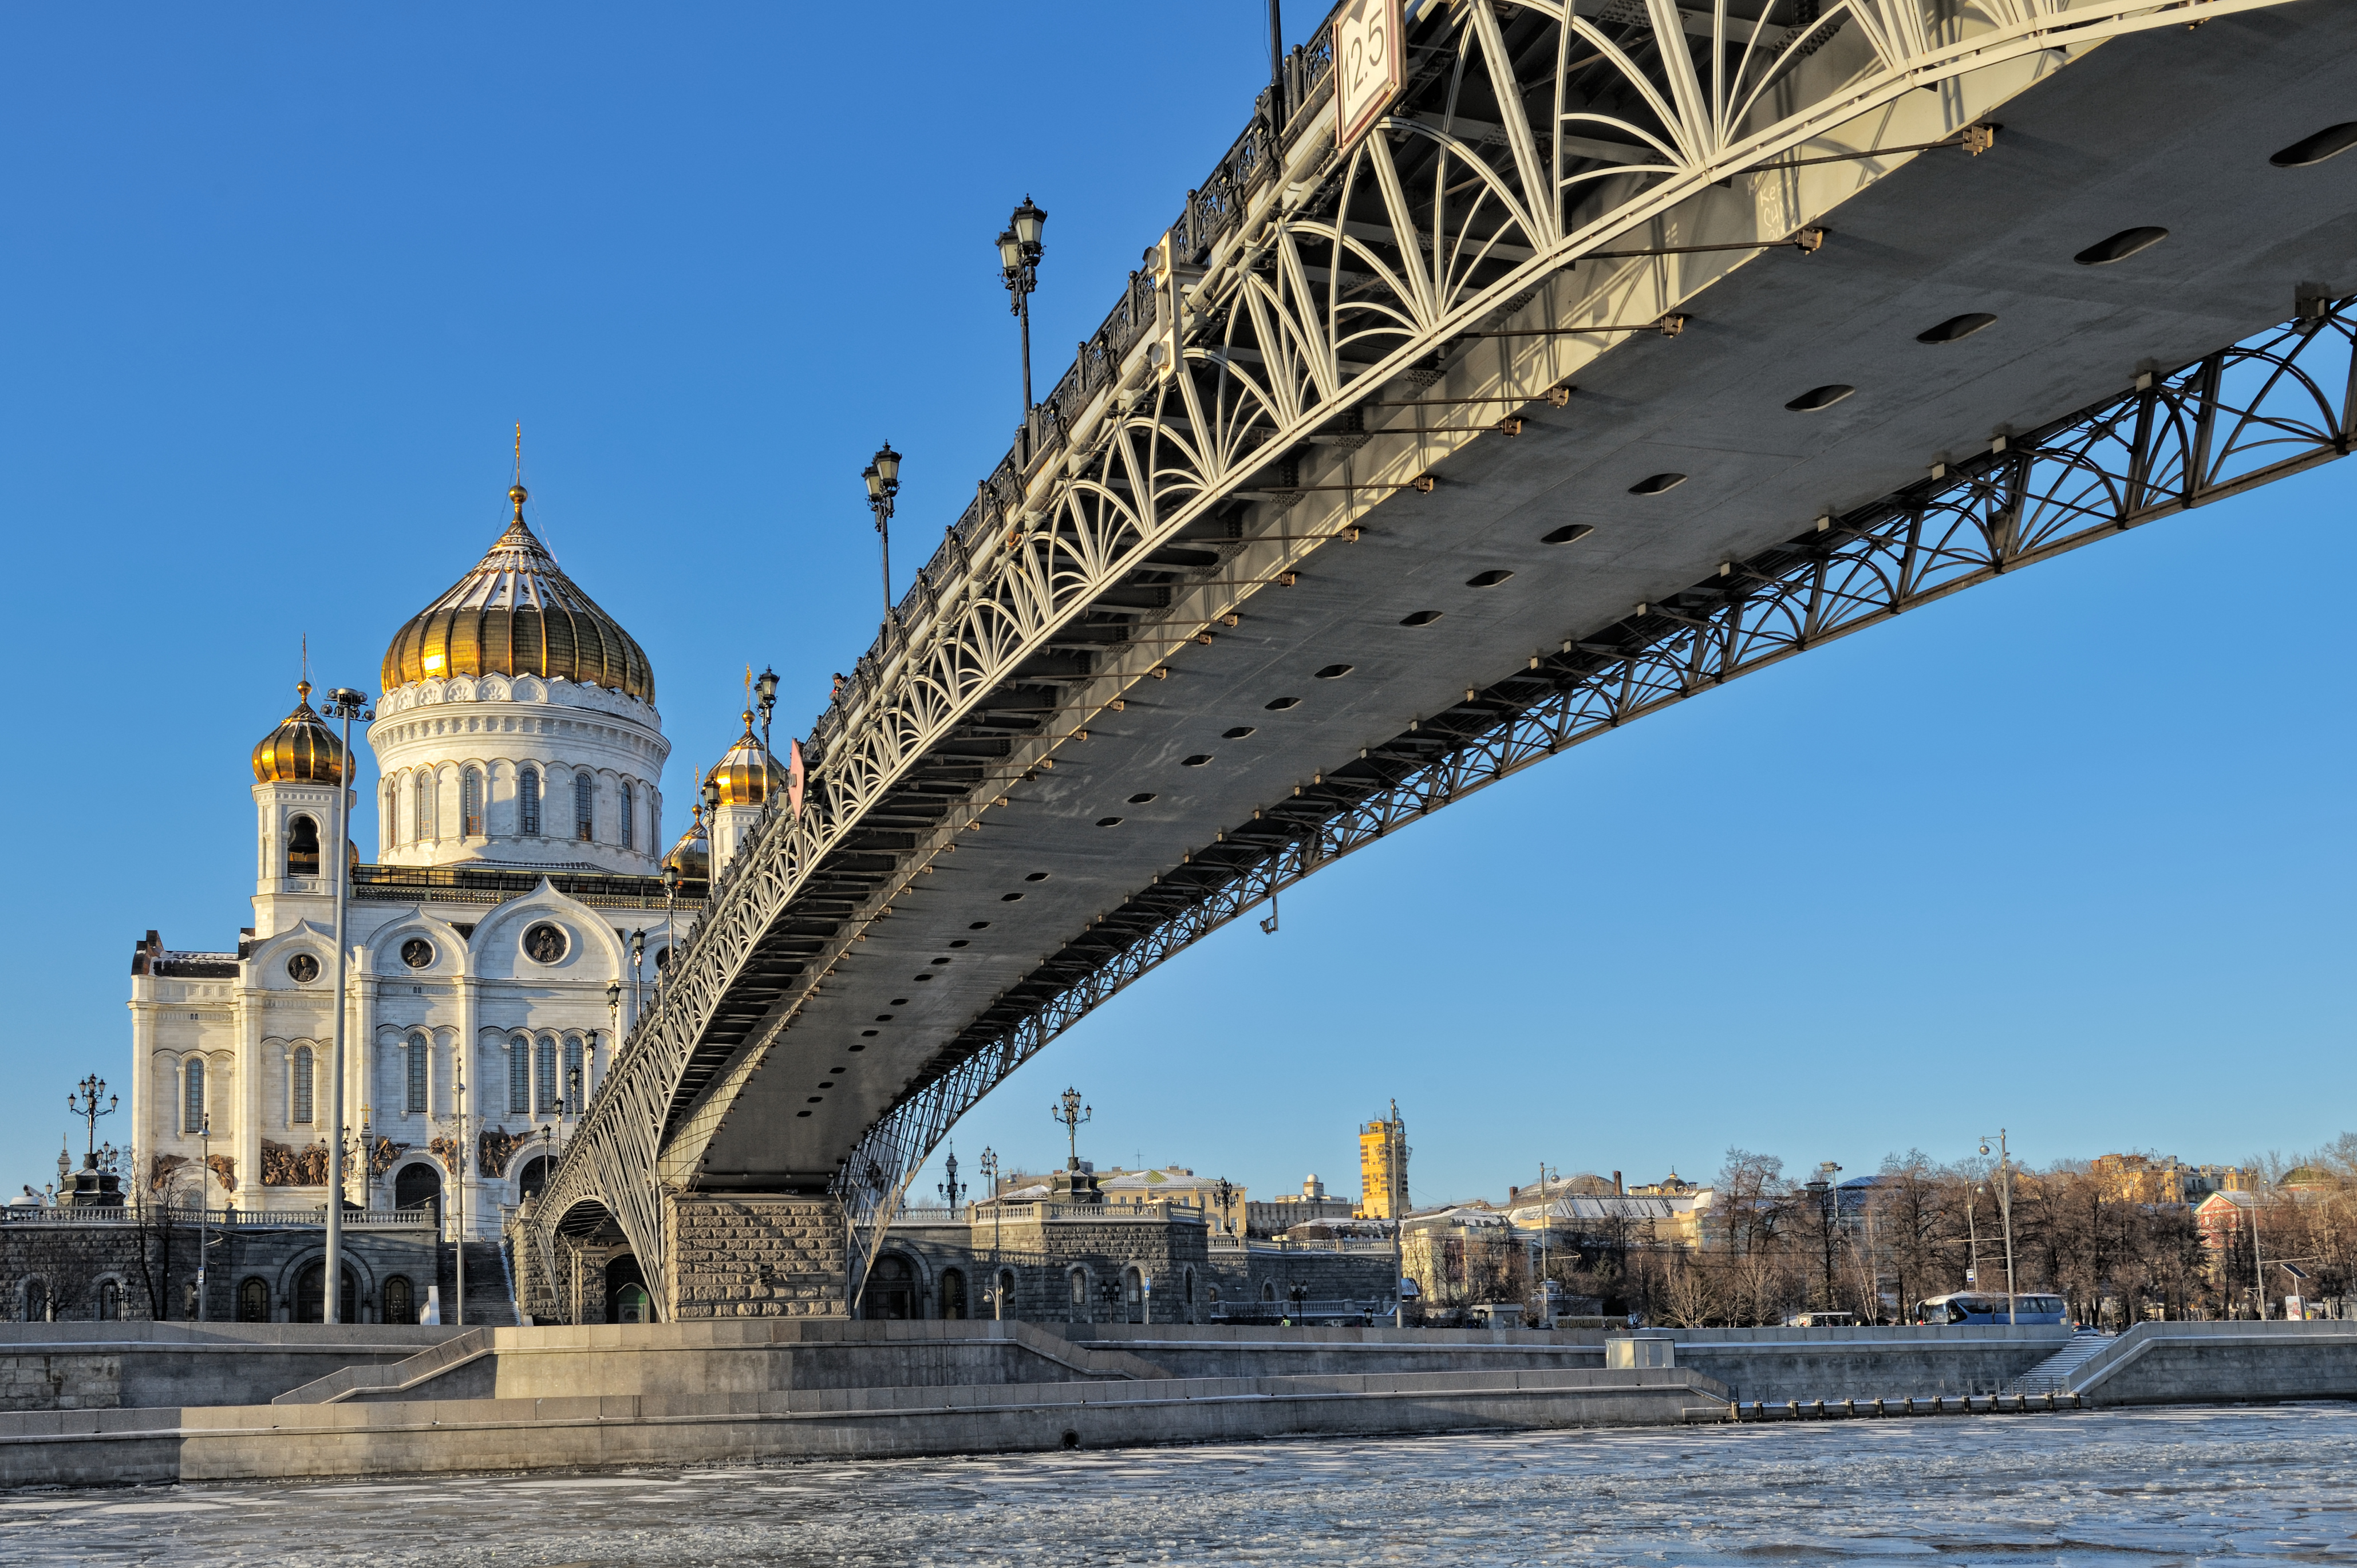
pixel 747 774
pixel 302 749
pixel 518 613
pixel 692 856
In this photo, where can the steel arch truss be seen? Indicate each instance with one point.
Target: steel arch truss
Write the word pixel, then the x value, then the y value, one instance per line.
pixel 2268 407
pixel 1299 281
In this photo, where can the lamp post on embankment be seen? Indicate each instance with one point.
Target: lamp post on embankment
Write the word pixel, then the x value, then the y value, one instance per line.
pixel 2004 1210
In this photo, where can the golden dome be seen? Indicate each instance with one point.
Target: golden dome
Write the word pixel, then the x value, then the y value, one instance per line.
pixel 518 613
pixel 302 749
pixel 692 856
pixel 748 772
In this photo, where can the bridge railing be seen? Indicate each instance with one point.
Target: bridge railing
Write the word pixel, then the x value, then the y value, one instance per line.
pixel 220 1218
pixel 1211 211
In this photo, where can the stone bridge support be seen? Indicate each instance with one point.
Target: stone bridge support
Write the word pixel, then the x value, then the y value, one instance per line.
pixel 754 1256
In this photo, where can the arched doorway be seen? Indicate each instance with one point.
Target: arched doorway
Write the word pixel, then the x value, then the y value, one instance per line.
pixel 254 1299
pixel 627 1300
pixel 310 1298
pixel 953 1292
pixel 532 1180
pixel 418 1186
pixel 891 1289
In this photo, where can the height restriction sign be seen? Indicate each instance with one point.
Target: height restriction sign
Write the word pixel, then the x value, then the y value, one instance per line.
pixel 1370 65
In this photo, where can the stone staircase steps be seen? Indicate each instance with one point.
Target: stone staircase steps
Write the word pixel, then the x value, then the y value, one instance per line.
pixel 490 1304
pixel 2053 1374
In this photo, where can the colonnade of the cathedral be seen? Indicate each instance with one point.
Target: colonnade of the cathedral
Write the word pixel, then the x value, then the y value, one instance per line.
pixel 470 804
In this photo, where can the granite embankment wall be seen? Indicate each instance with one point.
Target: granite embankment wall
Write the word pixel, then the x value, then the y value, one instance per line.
pixel 108 1366
pixel 713 1358
pixel 1244 1350
pixel 2193 1363
pixel 1780 1364
pixel 588 1430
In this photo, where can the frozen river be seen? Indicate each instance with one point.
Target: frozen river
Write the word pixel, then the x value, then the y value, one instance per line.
pixel 2144 1488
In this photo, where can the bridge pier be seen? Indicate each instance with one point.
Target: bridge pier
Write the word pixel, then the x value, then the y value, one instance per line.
pixel 754 1255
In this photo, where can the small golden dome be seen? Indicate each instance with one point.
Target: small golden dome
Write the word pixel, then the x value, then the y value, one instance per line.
pixel 748 772
pixel 692 856
pixel 302 749
pixel 518 613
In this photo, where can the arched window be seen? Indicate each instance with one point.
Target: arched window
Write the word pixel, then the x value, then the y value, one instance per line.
pixel 519 1076
pixel 299 1107
pixel 544 1077
pixel 413 1099
pixel 470 804
pixel 254 1299
pixel 425 823
pixel 392 813
pixel 527 811
pixel 1080 1287
pixel 400 1301
pixel 585 807
pixel 952 1293
pixel 1006 1292
pixel 192 1095
pixel 110 1301
pixel 630 802
pixel 302 847
pixel 576 1086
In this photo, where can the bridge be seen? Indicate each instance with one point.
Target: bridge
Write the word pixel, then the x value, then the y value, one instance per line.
pixel 1548 364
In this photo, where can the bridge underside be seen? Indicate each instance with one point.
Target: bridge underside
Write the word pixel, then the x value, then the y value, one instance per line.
pixel 1251 736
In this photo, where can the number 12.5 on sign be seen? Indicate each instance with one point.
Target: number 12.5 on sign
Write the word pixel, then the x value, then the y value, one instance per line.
pixel 1370 65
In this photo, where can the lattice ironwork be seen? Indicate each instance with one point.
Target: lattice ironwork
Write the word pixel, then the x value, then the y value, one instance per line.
pixel 1298 282
pixel 2271 406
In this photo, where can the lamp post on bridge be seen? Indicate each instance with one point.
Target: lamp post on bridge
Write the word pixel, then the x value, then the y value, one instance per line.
pixel 765 688
pixel 1019 251
pixel 883 477
pixel 949 1189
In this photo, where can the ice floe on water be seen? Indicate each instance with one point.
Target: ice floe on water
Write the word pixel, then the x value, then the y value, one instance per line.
pixel 2125 1490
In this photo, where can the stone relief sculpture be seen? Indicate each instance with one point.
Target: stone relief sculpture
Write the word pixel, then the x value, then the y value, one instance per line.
pixel 285 1166
pixel 498 1146
pixel 224 1169
pixel 160 1170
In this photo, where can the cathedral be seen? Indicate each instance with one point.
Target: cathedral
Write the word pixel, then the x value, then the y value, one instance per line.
pixel 520 910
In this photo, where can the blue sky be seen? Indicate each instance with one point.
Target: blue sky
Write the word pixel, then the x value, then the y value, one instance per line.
pixel 2068 854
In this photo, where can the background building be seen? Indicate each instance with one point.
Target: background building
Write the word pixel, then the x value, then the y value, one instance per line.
pixel 1383 1168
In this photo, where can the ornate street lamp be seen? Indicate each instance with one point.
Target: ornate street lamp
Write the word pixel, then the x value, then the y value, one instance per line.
pixel 1019 251
pixel 1068 1110
pixel 883 477
pixel 949 1189
pixel 765 690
